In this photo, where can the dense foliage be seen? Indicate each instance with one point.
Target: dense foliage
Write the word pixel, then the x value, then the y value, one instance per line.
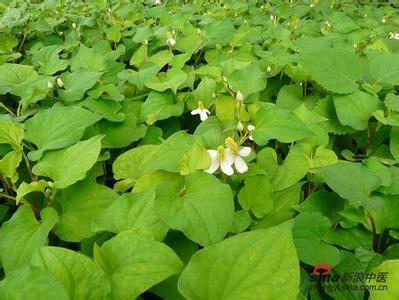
pixel 199 150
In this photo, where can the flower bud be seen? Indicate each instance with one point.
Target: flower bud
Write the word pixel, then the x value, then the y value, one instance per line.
pixel 60 83
pixel 239 96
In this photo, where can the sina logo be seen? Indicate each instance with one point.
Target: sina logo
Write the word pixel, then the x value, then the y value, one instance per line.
pixel 322 272
pixel 322 269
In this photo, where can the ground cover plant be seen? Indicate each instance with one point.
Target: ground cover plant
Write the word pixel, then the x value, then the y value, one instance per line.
pixel 199 149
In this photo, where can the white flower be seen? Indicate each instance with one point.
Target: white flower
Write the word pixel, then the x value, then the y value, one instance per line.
pixel 74 25
pixel 394 35
pixel 199 31
pixel 383 20
pixel 268 69
pixel 158 2
pixel 250 129
pixel 222 158
pixel 311 5
pixel 49 85
pixel 238 154
pixel 239 96
pixel 201 111
pixel 171 42
pixel 60 83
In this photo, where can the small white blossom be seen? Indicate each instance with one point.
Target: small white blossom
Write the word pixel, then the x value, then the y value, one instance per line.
pixel 222 158
pixel 201 111
pixel 250 129
pixel 239 96
pixel 311 5
pixel 394 35
pixel 74 25
pixel 383 20
pixel 158 2
pixel 268 69
pixel 199 31
pixel 49 85
pixel 238 154
pixel 171 42
pixel 60 83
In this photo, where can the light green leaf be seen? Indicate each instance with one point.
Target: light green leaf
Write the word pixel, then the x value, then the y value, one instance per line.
pixel 31 283
pixel 173 79
pixel 57 164
pixel 248 80
pixel 355 109
pixel 26 188
pixel 57 127
pixel 77 83
pixel 81 203
pixel 308 231
pixel 11 133
pixel 48 60
pixel 275 123
pixel 88 59
pixel 203 215
pixel 144 263
pixel 22 234
pixel 243 266
pixel 81 278
pixel 160 106
pixel 335 69
pixel 384 69
pixel 129 164
pixel 355 186
pixel 131 211
pixel 197 158
pixel 257 195
pixel 9 164
pixel 169 154
pixel 392 291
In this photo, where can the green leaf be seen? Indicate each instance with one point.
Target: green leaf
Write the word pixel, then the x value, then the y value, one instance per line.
pixel 57 127
pixel 77 83
pixel 169 154
pixel 30 283
pixel 12 76
pixel 48 60
pixel 392 291
pixel 243 266
pixel 144 263
pixel 173 79
pixel 81 203
pixel 275 123
pixel 131 211
pixel 57 164
pixel 160 106
pixel 26 188
pixel 203 215
pixel 337 70
pixel 9 164
pixel 11 133
pixel 355 109
pixel 355 186
pixel 22 234
pixel 248 80
pixel 81 278
pixel 384 69
pixel 129 164
pixel 197 158
pixel 88 59
pixel 308 231
pixel 257 195
pixel 225 109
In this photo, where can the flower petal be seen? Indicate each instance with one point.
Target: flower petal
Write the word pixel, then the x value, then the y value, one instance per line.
pixel 251 127
pixel 228 157
pixel 214 165
pixel 212 153
pixel 240 165
pixel 203 115
pixel 250 138
pixel 226 168
pixel 195 112
pixel 245 151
